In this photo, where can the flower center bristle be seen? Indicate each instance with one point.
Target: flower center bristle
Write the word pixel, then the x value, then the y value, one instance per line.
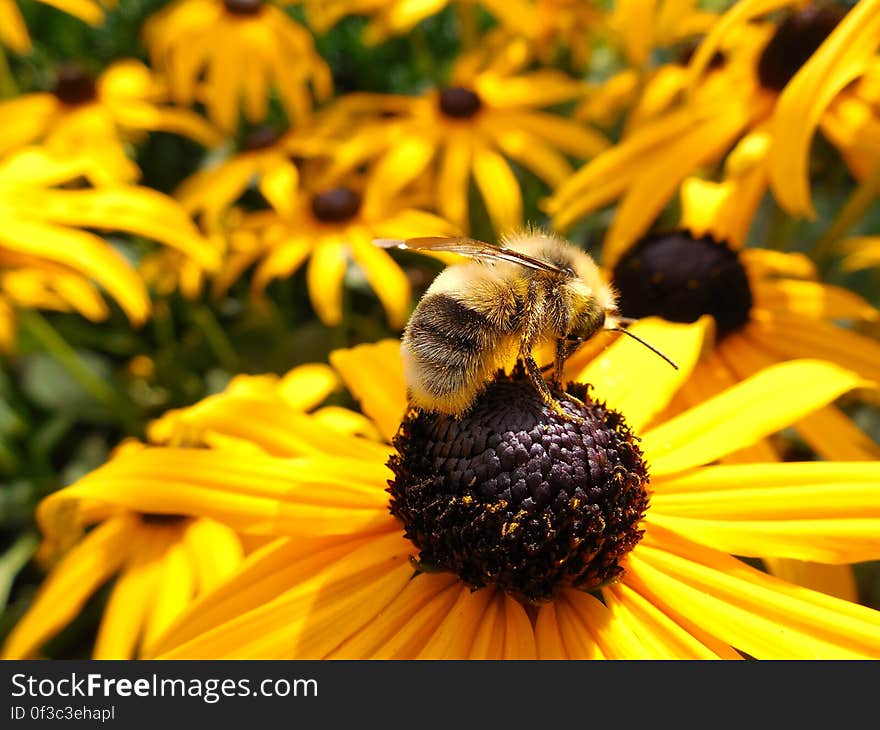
pixel 795 40
pixel 73 86
pixel 155 518
pixel 260 138
pixel 243 7
pixel 514 496
pixel 336 206
pixel 680 278
pixel 459 103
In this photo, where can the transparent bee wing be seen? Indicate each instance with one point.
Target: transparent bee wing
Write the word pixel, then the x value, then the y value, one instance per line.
pixel 469 247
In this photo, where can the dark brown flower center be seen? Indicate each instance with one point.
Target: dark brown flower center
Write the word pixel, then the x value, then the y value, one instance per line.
pixel 514 496
pixel 260 138
pixel 680 278
pixel 795 40
pixel 154 518
pixel 243 7
pixel 459 103
pixel 73 86
pixel 336 206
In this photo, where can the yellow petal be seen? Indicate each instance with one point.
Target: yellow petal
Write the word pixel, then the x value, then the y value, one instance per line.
pixel 833 580
pixel 455 635
pixel 765 403
pixel 324 278
pixel 13 31
pixel 67 588
pixel 499 188
pixel 812 299
pixel 863 253
pixel 752 611
pixel 405 626
pixel 137 210
pixel 452 180
pixel 127 608
pixel 308 385
pixel 842 57
pixel 279 185
pixel 374 375
pixel 312 618
pixel 214 551
pixel 85 253
pixel 385 276
pixel 635 381
pixel 661 637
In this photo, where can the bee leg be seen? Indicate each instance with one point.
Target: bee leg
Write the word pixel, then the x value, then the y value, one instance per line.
pixel 534 373
pixel 564 348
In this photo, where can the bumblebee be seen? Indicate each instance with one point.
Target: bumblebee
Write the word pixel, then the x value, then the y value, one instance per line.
pixel 479 316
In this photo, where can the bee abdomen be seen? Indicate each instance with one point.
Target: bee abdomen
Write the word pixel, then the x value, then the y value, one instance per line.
pixel 449 351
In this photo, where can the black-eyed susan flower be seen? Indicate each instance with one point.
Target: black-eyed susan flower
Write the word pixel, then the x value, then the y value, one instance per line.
pixel 468 129
pixel 462 559
pixel 727 100
pixel 229 55
pixel 767 305
pixel 95 116
pixel 48 258
pixel 163 562
pixel 265 153
pixel 13 31
pixel 328 225
pixel 838 91
pixel 160 562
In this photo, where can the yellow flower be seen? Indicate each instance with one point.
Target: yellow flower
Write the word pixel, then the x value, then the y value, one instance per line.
pixel 82 115
pixel 768 306
pixel 48 260
pixel 838 89
pixel 341 581
pixel 13 32
pixel 265 152
pixel 221 52
pixel 759 68
pixel 164 562
pixel 467 129
pixel 327 225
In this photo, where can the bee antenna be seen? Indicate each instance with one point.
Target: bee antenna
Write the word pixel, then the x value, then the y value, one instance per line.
pixel 646 344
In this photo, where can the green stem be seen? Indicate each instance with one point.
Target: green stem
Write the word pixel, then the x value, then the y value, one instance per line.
pixel 467 25
pixel 851 213
pixel 13 560
pixel 8 87
pixel 216 337
pixel 57 347
pixel 422 52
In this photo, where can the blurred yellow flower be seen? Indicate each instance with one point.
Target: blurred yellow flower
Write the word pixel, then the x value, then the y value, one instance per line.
pixel 164 562
pixel 768 306
pixel 49 260
pixel 327 225
pixel 743 75
pixel 86 116
pixel 13 32
pixel 466 129
pixel 340 581
pixel 226 52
